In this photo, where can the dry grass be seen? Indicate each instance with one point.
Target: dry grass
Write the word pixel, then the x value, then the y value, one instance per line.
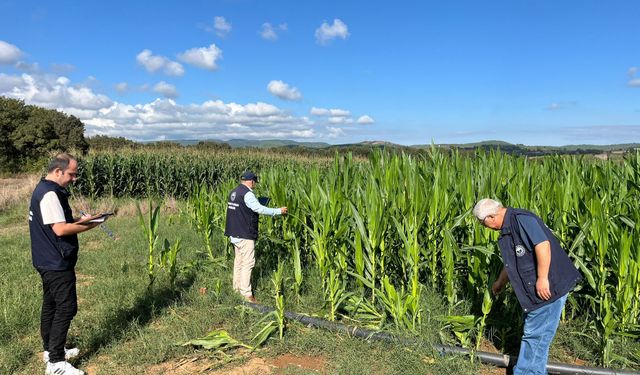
pixel 16 189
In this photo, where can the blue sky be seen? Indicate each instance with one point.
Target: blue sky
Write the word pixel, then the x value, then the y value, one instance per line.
pixel 410 72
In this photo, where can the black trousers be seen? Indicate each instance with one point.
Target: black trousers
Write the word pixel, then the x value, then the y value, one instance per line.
pixel 59 306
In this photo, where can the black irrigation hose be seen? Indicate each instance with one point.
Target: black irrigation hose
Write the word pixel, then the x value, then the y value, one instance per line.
pixel 500 360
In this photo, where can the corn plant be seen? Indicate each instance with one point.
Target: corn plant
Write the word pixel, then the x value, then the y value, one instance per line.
pixel 169 259
pixel 275 320
pixel 203 215
pixel 380 230
pixel 217 339
pixel 150 230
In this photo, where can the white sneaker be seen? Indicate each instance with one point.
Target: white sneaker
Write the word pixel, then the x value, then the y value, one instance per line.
pixel 62 368
pixel 68 354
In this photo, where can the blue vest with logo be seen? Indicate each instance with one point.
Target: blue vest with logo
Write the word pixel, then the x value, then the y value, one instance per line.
pixel 49 251
pixel 242 222
pixel 520 262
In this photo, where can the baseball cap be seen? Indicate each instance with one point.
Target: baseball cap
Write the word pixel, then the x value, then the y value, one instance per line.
pixel 248 175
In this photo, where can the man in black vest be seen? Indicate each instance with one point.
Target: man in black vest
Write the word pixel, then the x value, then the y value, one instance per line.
pixel 541 275
pixel 241 226
pixel 54 252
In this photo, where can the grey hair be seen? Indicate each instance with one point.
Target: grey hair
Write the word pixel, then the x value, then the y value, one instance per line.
pixel 60 161
pixel 486 207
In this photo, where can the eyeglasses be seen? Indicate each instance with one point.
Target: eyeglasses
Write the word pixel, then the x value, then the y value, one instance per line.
pixel 485 218
pixel 72 174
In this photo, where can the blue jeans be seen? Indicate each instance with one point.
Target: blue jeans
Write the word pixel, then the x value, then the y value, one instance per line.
pixel 539 328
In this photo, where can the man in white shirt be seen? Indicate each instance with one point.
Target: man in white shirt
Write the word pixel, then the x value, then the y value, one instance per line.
pixel 241 226
pixel 54 252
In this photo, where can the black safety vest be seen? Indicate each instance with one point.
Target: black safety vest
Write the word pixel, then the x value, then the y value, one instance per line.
pixel 50 252
pixel 242 222
pixel 520 262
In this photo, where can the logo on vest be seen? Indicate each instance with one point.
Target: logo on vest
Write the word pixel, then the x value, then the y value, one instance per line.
pixel 233 196
pixel 520 250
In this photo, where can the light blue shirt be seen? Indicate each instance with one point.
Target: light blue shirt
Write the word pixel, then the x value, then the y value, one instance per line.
pixel 252 202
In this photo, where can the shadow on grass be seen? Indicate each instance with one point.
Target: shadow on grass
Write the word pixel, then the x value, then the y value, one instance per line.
pixel 146 307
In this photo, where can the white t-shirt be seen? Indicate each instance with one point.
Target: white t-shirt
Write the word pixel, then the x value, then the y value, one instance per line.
pixel 51 209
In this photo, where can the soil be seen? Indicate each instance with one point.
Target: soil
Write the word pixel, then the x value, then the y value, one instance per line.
pixel 492 370
pixel 255 365
pixel 304 362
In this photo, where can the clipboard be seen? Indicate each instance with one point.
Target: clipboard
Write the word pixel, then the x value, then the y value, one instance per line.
pixel 264 200
pixel 101 219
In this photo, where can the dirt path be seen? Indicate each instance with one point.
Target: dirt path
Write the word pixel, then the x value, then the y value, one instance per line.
pixel 254 365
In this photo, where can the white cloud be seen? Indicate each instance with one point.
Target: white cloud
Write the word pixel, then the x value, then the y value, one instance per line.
pixel 173 68
pixel 633 82
pixel 221 26
pixel 9 54
pixel 204 57
pixel 330 112
pixel 27 67
pixel 269 32
pixel 8 82
pixel 325 33
pixel 153 63
pixel 283 91
pixel 336 116
pixel 121 87
pixel 335 132
pixel 319 111
pixel 340 120
pixel 166 89
pixel 52 92
pixel 560 105
pixel 211 119
pixel 162 118
pixel 365 120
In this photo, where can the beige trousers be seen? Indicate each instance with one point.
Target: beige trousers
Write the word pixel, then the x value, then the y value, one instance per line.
pixel 242 265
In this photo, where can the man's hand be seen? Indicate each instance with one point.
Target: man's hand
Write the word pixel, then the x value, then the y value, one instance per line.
pixel 543 259
pixel 500 282
pixel 497 287
pixel 542 288
pixel 283 210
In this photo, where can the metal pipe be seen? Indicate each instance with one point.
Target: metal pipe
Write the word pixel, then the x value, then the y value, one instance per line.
pixel 500 360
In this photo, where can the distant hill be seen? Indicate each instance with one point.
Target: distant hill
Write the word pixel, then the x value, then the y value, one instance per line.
pixel 239 143
pixel 608 148
pixel 366 146
pixel 268 143
pixel 380 143
pixel 490 143
pixel 506 146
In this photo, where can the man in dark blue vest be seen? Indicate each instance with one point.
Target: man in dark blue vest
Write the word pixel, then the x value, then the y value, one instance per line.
pixel 241 226
pixel 54 252
pixel 541 275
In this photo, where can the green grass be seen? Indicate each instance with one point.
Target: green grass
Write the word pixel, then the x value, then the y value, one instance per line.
pixel 122 325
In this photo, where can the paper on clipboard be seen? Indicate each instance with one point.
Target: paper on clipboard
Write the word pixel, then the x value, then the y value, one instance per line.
pixel 101 218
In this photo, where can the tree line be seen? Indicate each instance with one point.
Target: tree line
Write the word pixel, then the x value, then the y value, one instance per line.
pixel 30 134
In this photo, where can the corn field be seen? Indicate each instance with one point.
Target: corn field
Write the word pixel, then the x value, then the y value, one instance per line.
pixel 380 231
pixel 174 173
